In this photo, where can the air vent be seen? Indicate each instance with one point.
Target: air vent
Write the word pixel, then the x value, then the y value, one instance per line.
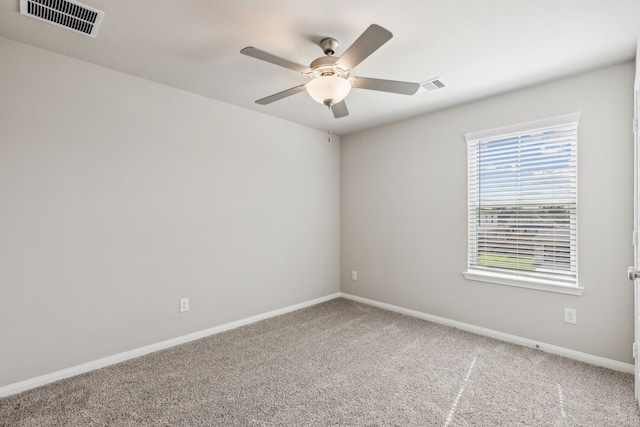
pixel 431 85
pixel 69 14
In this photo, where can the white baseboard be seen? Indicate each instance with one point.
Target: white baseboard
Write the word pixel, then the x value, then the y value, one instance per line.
pixel 549 348
pixel 141 351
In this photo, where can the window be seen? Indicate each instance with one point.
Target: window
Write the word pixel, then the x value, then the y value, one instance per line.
pixel 522 204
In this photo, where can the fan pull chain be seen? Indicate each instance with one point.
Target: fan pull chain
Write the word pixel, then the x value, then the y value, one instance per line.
pixel 329 125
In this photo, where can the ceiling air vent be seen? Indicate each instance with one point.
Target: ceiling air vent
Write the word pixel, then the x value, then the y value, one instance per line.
pixel 69 14
pixel 431 85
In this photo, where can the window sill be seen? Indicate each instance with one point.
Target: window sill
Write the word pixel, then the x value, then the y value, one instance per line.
pixel 541 285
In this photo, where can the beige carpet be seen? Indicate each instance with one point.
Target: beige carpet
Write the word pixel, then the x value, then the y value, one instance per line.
pixel 339 363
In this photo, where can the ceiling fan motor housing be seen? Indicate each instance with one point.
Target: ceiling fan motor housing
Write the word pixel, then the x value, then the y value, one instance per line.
pixel 326 66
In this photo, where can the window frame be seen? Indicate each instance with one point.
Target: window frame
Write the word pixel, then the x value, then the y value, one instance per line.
pixel 504 278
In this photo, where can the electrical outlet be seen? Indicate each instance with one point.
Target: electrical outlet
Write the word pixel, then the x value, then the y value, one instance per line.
pixel 354 275
pixel 570 315
pixel 184 305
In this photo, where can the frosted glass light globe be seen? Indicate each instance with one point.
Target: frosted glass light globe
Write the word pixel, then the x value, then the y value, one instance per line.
pixel 329 90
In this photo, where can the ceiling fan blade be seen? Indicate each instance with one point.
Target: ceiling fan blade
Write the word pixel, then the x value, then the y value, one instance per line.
pixel 280 95
pixel 403 88
pixel 267 57
pixel 340 109
pixel 372 38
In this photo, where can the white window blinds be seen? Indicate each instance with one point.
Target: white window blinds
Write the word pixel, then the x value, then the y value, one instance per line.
pixel 522 200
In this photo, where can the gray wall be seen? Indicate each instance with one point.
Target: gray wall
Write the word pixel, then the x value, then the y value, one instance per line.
pixel 118 196
pixel 403 215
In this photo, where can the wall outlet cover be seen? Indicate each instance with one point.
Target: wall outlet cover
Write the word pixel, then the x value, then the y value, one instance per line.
pixel 570 315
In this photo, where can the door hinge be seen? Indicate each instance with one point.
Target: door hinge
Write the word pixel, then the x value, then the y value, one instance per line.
pixel 635 350
pixel 635 125
pixel 635 238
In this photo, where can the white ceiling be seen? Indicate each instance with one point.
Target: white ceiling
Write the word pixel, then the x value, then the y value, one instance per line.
pixel 479 47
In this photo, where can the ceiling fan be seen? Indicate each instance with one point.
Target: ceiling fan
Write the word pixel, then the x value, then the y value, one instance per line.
pixel 330 76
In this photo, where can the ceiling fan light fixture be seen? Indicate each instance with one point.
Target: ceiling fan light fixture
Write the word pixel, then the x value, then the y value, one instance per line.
pixel 328 90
